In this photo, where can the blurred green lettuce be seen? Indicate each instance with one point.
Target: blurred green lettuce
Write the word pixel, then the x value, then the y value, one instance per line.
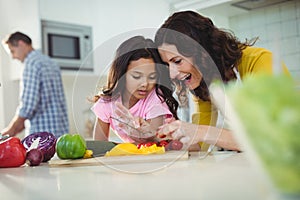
pixel 269 109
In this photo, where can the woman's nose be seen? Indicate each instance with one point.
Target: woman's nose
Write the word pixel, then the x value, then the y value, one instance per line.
pixel 173 71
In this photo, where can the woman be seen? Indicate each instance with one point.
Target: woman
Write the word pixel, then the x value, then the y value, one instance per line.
pixel 197 54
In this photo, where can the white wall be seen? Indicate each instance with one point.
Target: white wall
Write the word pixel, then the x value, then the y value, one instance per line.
pixel 15 15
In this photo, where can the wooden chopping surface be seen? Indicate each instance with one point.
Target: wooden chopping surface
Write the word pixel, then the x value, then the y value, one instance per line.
pixel 115 160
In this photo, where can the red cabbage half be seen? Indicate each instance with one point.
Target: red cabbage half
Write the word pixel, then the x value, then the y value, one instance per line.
pixel 46 144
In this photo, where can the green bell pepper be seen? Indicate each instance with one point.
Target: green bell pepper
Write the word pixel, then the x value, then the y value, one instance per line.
pixel 70 146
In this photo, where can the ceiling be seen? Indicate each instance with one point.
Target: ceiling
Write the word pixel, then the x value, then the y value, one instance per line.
pixel 222 7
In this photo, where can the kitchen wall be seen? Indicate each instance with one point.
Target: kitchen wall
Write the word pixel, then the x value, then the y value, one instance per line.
pixel 14 15
pixel 278 28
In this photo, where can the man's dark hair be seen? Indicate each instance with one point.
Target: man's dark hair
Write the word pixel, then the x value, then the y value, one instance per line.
pixel 17 36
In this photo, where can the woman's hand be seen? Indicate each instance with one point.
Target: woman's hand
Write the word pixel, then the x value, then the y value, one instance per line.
pixel 179 130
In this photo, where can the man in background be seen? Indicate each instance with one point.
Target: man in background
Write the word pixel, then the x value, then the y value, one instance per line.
pixel 42 98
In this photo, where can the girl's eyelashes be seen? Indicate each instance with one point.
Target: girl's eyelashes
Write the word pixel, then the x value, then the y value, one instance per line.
pixel 136 77
pixel 151 77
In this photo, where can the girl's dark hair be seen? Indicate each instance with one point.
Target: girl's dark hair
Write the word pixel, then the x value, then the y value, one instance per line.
pixel 215 51
pixel 131 50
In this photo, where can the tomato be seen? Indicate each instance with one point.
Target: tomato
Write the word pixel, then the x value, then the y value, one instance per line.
pixel 145 144
pixel 163 143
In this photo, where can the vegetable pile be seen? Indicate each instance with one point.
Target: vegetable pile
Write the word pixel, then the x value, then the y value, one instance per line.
pixel 269 109
pixel 41 147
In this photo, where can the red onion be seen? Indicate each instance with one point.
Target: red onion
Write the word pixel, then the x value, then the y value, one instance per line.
pixel 34 157
pixel 174 145
pixel 46 144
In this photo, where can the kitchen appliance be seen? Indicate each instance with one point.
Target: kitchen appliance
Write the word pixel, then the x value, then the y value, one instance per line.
pixel 70 45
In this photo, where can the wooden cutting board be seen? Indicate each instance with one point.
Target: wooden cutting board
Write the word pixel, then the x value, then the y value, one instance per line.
pixel 115 160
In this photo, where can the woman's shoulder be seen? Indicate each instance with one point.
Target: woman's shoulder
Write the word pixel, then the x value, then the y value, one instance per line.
pixel 255 51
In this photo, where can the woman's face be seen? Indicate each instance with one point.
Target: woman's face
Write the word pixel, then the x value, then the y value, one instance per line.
pixel 181 67
pixel 140 79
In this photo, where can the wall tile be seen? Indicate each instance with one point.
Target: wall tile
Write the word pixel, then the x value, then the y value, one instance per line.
pixel 257 18
pixel 287 11
pixel 288 46
pixel 272 14
pixel 260 32
pixel 289 28
pixel 292 62
pixel 273 31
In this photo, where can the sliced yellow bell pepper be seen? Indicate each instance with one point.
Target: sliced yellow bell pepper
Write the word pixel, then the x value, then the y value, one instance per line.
pixel 131 149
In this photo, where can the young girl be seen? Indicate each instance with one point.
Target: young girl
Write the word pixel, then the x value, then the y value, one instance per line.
pixel 141 83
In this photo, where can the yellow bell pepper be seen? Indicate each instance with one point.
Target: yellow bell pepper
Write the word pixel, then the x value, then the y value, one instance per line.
pixel 131 149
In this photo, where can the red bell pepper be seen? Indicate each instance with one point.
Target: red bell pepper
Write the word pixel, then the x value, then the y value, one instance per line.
pixel 12 152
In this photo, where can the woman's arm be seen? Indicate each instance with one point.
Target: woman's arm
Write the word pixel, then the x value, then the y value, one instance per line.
pixel 101 130
pixel 190 134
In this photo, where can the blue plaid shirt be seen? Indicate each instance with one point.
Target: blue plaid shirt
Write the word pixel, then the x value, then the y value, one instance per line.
pixel 42 98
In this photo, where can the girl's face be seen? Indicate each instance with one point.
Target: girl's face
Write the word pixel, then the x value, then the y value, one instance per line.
pixel 181 67
pixel 140 79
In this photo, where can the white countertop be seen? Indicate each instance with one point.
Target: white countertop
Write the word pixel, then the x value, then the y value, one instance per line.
pixel 220 176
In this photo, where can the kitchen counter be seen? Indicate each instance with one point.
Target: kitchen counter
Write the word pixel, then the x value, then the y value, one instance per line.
pixel 221 176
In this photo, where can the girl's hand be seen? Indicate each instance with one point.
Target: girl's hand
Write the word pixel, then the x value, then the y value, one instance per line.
pixel 136 128
pixel 125 116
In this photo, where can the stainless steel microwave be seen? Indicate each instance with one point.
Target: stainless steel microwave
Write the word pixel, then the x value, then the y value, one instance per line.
pixel 70 45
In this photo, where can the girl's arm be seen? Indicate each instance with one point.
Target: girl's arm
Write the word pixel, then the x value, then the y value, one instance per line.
pixel 101 130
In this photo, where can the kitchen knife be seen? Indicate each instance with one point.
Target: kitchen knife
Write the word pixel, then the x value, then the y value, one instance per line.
pixel 99 148
pixel 3 137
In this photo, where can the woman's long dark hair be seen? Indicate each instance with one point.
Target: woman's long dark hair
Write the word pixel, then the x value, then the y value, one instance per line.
pixel 214 51
pixel 131 50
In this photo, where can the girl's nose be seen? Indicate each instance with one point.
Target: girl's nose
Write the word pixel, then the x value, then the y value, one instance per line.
pixel 144 82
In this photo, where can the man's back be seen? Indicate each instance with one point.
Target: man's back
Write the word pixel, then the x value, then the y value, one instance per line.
pixel 42 97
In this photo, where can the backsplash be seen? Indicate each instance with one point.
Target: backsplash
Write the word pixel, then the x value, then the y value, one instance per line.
pixel 278 28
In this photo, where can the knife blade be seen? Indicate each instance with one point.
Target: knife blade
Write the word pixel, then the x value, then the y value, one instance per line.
pixel 99 148
pixel 3 137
